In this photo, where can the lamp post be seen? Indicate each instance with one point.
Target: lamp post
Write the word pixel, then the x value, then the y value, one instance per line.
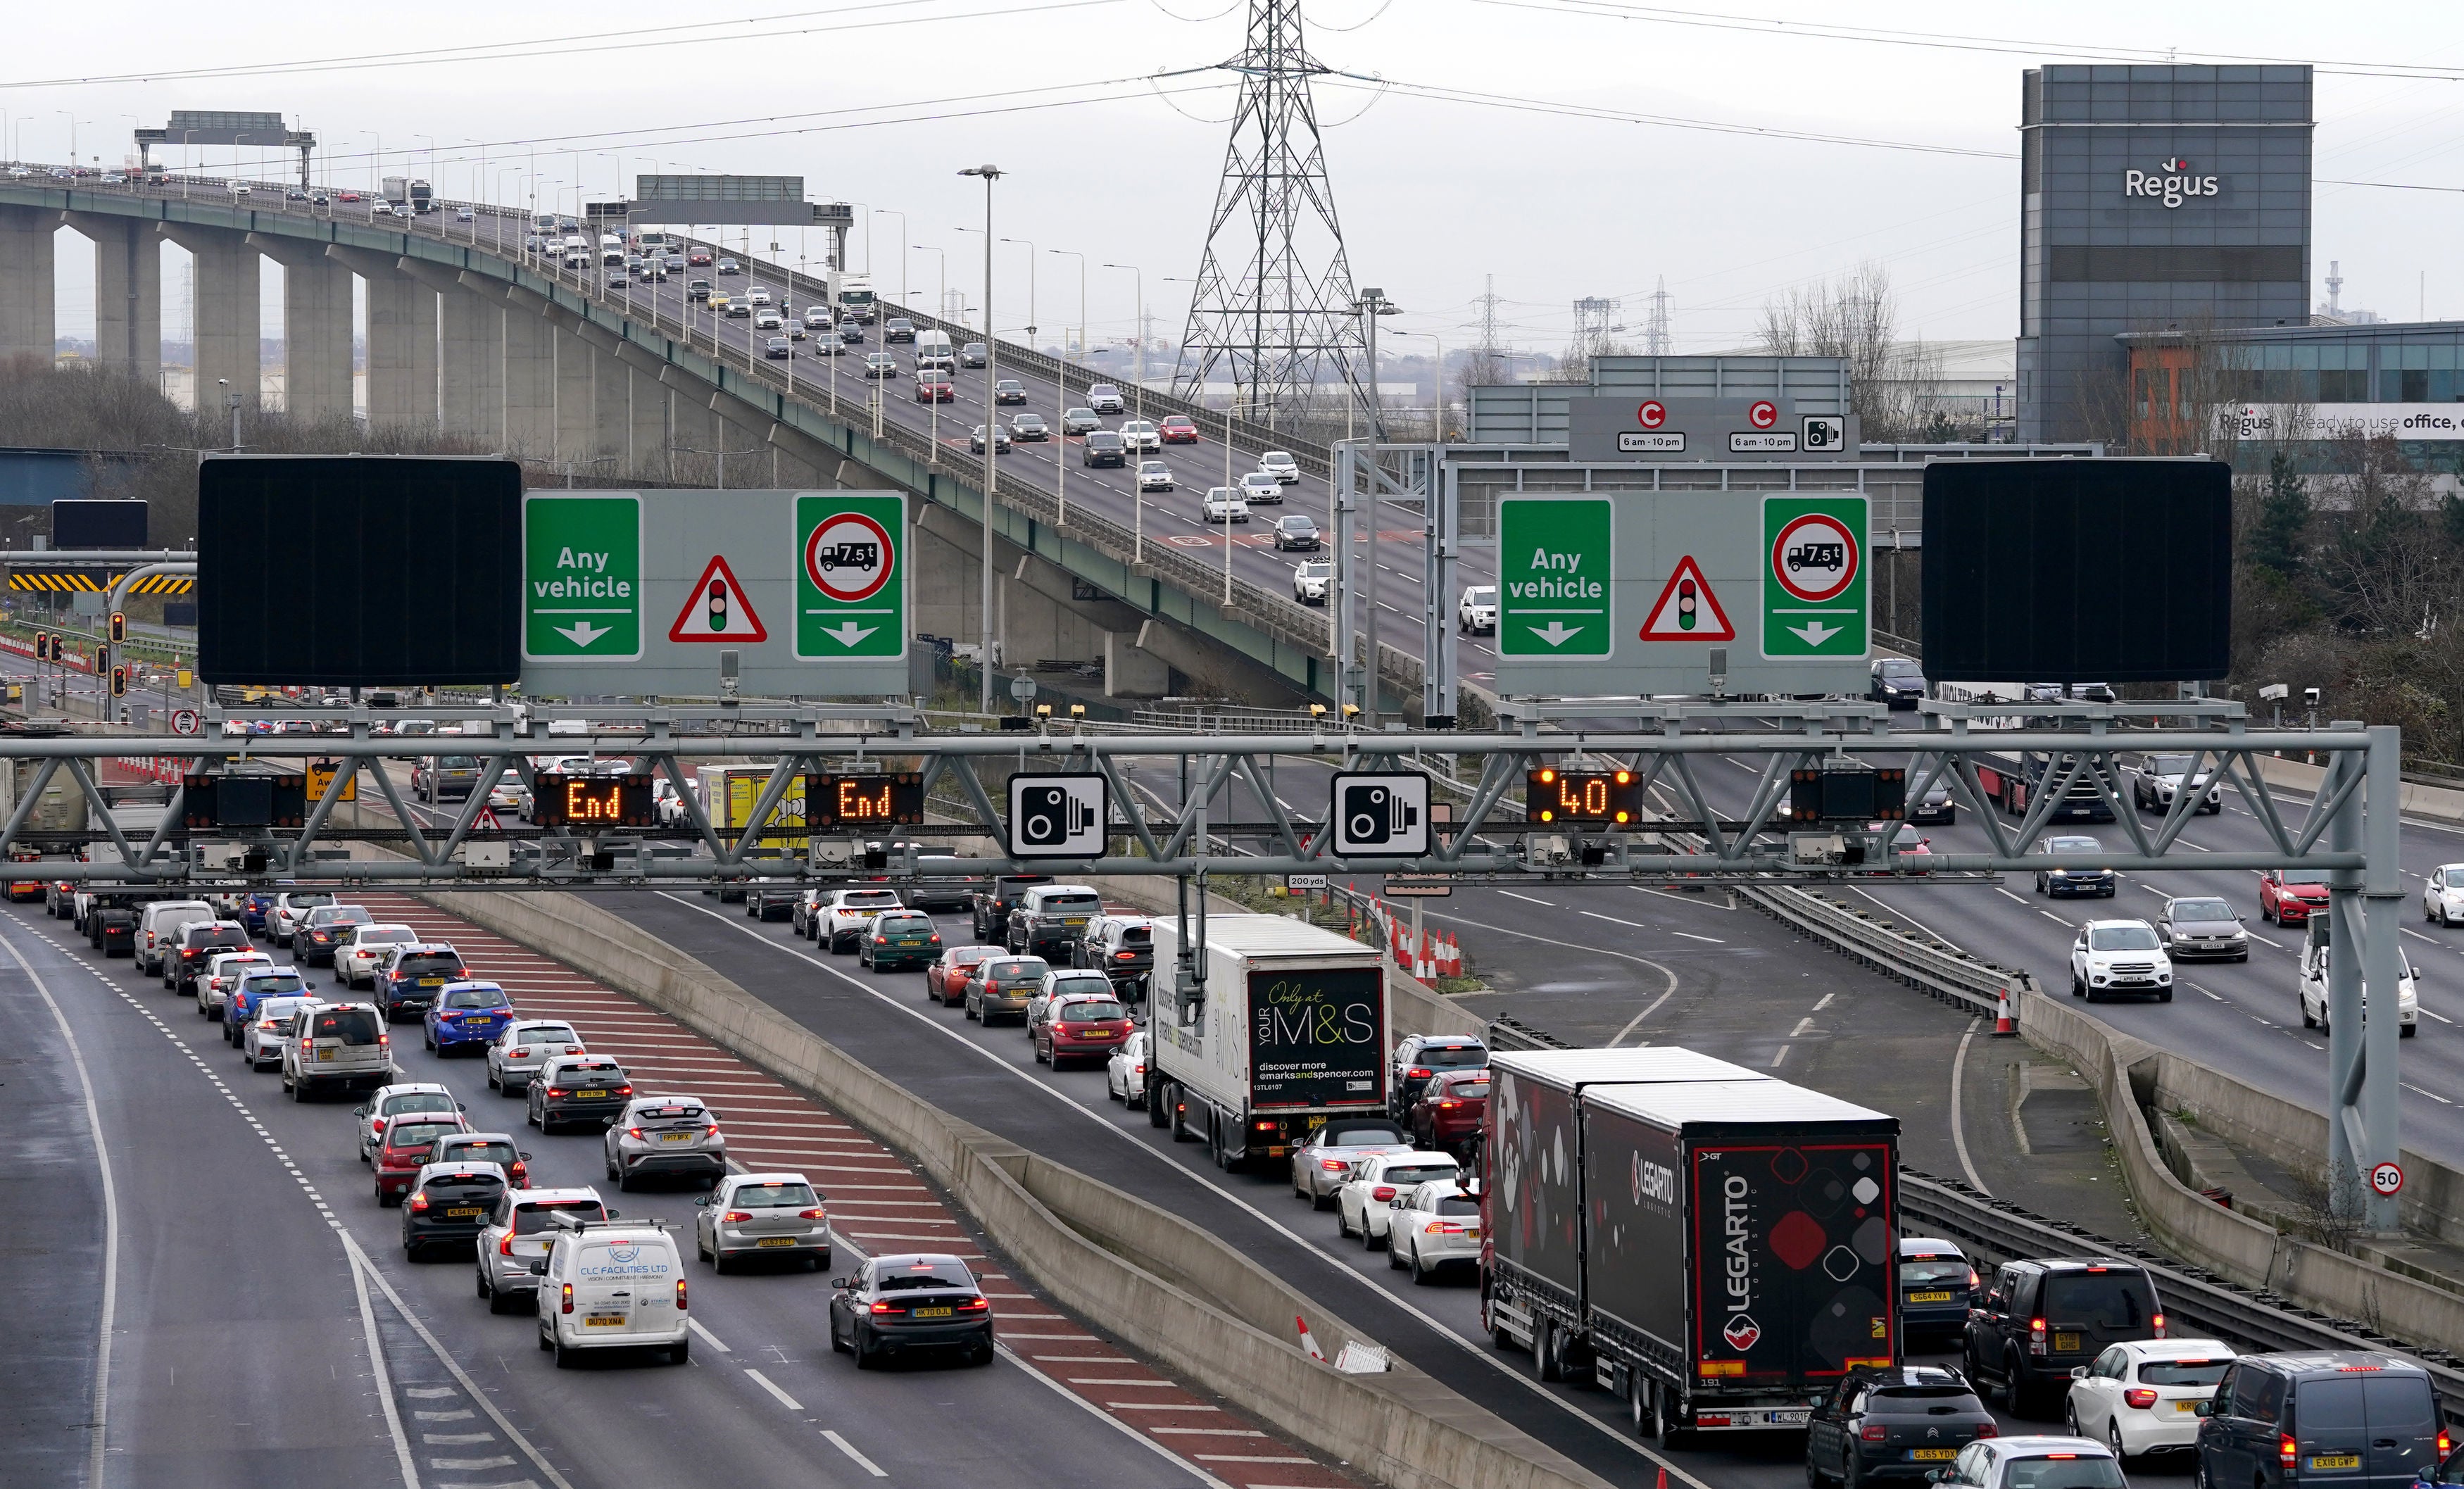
pixel 902 247
pixel 1138 500
pixel 1060 393
pixel 992 443
pixel 1372 306
pixel 1138 372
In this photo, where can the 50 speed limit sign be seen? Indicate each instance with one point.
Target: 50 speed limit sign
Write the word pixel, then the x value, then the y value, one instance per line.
pixel 2387 1180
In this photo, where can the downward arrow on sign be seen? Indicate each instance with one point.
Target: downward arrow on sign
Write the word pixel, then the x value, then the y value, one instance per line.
pixel 582 633
pixel 1814 632
pixel 1556 633
pixel 846 633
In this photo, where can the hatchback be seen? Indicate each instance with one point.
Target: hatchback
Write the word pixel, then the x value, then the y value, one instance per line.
pixel 1364 1205
pixel 1297 533
pixel 1900 1422
pixel 934 386
pixel 263 1033
pixel 898 1304
pixel 405 1150
pixel 1446 1116
pixel 1080 421
pixel 1029 428
pixel 973 355
pixel 762 1214
pixel 1002 985
pixel 1224 504
pixel 394 1103
pixel 496 1147
pixel 2144 1396
pixel 1261 489
pixel 1936 1281
pixel 577 1089
pixel 1177 429
pixel 665 1135
pixel 448 1205
pixel 355 960
pixel 1082 1026
pixel 467 1018
pixel 945 980
pixel 1434 1225
pixel 1125 1072
pixel 221 976
pixel 410 981
pixel 515 1236
pixel 1280 465
pixel 250 990
pixel 1154 476
pixel 898 939
pixel 1008 390
pixel 523 1046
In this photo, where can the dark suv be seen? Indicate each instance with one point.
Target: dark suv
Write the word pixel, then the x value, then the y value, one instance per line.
pixel 197 942
pixel 1103 447
pixel 992 907
pixel 2038 1319
pixel 1051 921
pixel 410 984
pixel 1902 1422
pixel 2361 1419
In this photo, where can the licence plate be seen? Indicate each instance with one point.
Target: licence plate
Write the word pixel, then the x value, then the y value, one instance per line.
pixel 588 1095
pixel 431 982
pixel 1932 1455
pixel 324 1054
pixel 2066 1343
pixel 1075 920
pixel 462 1212
pixel 675 1137
pixel 605 1320
pixel 776 1240
pixel 943 1313
pixel 2185 1408
pixel 2336 1460
pixel 1928 1297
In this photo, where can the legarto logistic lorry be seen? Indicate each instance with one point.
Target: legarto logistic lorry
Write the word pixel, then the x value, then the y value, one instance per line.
pixel 1715 1246
pixel 1288 1030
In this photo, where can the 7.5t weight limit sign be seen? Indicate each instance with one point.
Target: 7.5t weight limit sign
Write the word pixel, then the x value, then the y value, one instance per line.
pixel 1814 577
pixel 850 596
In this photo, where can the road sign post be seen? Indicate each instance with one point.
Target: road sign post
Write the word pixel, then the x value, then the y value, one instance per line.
pixel 581 576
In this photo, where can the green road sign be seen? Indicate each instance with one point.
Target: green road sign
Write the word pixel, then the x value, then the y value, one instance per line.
pixel 1554 558
pixel 1814 577
pixel 581 576
pixel 850 579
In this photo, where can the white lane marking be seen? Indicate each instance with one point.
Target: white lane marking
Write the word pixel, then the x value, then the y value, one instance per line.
pixel 384 1383
pixel 2418 1091
pixel 110 1216
pixel 2056 919
pixel 2418 936
pixel 1100 1414
pixel 1614 921
pixel 2256 936
pixel 1958 1126
pixel 1782 1054
pixel 847 1447
pixel 2435 1014
pixel 707 1337
pixel 2015 899
pixel 1826 1001
pixel 1613 1431
pixel 1691 936
pixel 1527 899
pixel 1802 1024
pixel 784 1399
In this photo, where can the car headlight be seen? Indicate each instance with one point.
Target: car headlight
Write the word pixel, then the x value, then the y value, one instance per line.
pixel 2096 977
pixel 2162 978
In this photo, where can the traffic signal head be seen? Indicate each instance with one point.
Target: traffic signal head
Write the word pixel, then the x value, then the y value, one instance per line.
pixel 119 681
pixel 119 626
pixel 42 646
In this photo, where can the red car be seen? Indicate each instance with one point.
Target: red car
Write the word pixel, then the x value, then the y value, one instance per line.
pixel 2288 896
pixel 403 1150
pixel 1177 429
pixel 698 258
pixel 945 981
pixel 1080 1026
pixel 935 387
pixel 1446 1114
pixel 350 196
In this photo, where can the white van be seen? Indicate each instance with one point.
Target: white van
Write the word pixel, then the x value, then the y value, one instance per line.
pixel 158 927
pixel 611 1284
pixel 933 349
pixel 543 224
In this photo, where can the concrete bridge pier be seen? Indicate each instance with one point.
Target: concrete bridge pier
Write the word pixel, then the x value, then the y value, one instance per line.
pixel 128 294
pixel 529 382
pixel 227 312
pixel 26 324
pixel 471 359
pixel 402 341
pixel 317 325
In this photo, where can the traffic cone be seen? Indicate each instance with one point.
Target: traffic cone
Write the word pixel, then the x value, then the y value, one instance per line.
pixel 2003 1023
pixel 1308 1341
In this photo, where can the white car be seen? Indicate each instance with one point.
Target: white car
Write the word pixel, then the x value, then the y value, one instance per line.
pixel 159 925
pixel 510 795
pixel 398 1101
pixel 290 908
pixel 1223 504
pixel 1280 463
pixel 522 1047
pixel 356 961
pixel 336 1045
pixel 2442 894
pixel 1138 434
pixel 611 1284
pixel 762 1214
pixel 2140 1396
pixel 1476 613
pixel 2157 779
pixel 1365 1205
pixel 1434 1225
pixel 2120 956
pixel 221 976
pixel 666 804
pixel 376 209
pixel 1312 579
pixel 2033 1461
pixel 1125 1073
pixel 767 320
pixel 816 318
pixel 1105 399
pixel 1261 489
pixel 2315 960
pixel 850 912
pixel 1154 476
pixel 269 1032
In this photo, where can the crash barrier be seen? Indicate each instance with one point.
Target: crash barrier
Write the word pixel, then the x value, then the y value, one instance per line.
pixel 1154 1280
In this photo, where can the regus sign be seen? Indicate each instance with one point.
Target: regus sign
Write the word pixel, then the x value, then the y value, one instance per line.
pixel 2174 187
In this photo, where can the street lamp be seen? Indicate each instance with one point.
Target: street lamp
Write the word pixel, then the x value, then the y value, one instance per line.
pixel 938 258
pixel 886 211
pixel 1372 306
pixel 1139 374
pixel 992 442
pixel 1138 504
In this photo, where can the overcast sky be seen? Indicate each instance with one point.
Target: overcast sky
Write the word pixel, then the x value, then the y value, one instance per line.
pixel 1435 195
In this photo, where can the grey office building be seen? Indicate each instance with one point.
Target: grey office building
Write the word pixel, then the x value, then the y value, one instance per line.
pixel 2152 198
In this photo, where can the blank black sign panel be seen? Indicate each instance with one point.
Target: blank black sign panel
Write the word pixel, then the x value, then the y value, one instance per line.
pixel 2077 571
pixel 77 523
pixel 359 570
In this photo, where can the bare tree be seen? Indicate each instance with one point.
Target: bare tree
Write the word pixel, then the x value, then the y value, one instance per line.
pixel 1854 317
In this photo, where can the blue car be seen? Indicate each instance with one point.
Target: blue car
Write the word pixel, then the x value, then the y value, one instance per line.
pixel 467 1015
pixel 253 911
pixel 256 984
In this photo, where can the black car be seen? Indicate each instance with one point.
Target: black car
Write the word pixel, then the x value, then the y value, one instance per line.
pixel 1422 1055
pixel 2059 882
pixel 409 986
pixel 901 1304
pixel 1298 532
pixel 1103 447
pixel 2358 1418
pixel 198 942
pixel 324 931
pixel 1935 1284
pixel 972 355
pixel 1900 1422
pixel 989 914
pixel 112 927
pixel 899 328
pixel 1029 427
pixel 1008 390
pixel 2038 1319
pixel 449 1208
pixel 1897 682
pixel 1934 804
pixel 590 1089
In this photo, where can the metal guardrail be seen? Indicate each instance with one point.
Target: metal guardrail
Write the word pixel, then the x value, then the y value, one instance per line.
pixel 1948 973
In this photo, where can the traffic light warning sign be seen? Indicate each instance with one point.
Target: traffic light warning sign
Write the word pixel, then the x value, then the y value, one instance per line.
pixel 1687 609
pixel 717 610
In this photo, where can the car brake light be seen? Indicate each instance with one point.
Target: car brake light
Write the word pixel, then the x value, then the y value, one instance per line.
pixel 711 1130
pixel 680 1295
pixel 1418 1074
pixel 1873 1433
pixel 812 1214
pixel 377 1126
pixel 419 1201
pixel 567 1301
pixel 1123 956
pixel 505 1246
pixel 2446 1444
pixel 2140 1399
pixel 1332 1165
pixel 881 940
pixel 519 1052
pixel 384 1039
pixel 1988 1429
pixel 1972 1277
pixel 623 1091
pixel 1382 1191
pixel 2160 1326
pixel 1142 1069
pixel 736 1216
pixel 635 1134
pixel 884 1308
pixel 1441 1228
pixel 555 1092
pixel 1448 1106
pixel 2286 1450
pixel 974 1306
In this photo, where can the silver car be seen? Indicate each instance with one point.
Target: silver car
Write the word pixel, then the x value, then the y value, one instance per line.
pixel 664 1134
pixel 524 1048
pixel 290 908
pixel 1261 489
pixel 1280 463
pixel 516 1234
pixel 221 976
pixel 400 1100
pixel 356 961
pixel 269 1032
pixel 1321 1165
pixel 755 1214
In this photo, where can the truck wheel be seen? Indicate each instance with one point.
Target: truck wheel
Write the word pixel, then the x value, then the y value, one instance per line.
pixel 1544 1364
pixel 1181 1132
pixel 1155 1102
